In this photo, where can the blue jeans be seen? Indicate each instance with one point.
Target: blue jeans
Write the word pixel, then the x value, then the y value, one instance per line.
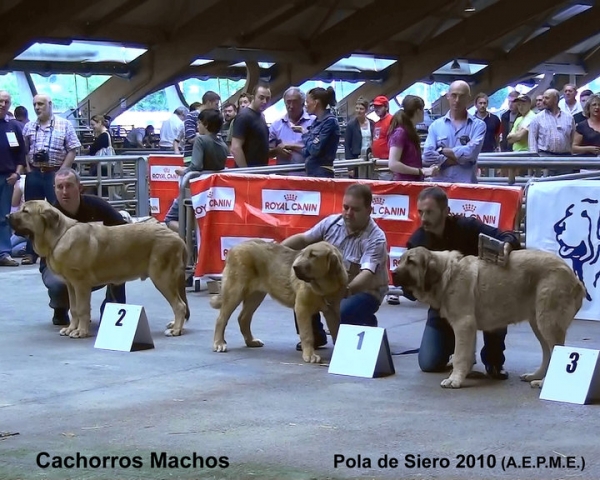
pixel 6 192
pixel 437 344
pixel 38 186
pixel 17 245
pixel 358 309
pixel 318 171
pixel 59 294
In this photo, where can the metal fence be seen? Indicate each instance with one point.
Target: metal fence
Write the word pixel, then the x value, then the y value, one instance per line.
pixel 121 179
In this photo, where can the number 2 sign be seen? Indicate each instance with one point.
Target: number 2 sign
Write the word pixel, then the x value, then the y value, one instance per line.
pixel 124 328
pixel 361 352
pixel 573 376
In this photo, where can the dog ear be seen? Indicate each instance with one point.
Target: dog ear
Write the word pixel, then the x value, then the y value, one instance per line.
pixel 50 217
pixel 336 266
pixel 432 274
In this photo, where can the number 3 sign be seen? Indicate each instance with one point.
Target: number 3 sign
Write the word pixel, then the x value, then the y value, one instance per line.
pixel 361 352
pixel 124 328
pixel 572 376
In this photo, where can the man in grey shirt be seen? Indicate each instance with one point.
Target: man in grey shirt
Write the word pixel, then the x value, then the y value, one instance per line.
pixel 364 248
pixel 209 151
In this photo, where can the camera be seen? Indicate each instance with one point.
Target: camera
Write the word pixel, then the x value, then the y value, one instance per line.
pixel 41 157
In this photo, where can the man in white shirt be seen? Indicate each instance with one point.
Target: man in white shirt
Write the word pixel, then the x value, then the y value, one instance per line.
pixel 569 102
pixel 172 128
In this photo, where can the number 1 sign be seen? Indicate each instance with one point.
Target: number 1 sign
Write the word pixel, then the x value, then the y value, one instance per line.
pixel 124 328
pixel 573 376
pixel 361 352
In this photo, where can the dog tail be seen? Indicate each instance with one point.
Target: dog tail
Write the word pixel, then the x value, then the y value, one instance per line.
pixel 216 301
pixel 580 292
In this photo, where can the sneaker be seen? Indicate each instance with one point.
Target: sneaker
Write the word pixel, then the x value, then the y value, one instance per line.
pixel 28 259
pixel 8 261
pixel 495 372
pixel 320 341
pixel 61 317
pixel 393 300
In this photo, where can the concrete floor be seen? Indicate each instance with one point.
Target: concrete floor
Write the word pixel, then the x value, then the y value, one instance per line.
pixel 271 415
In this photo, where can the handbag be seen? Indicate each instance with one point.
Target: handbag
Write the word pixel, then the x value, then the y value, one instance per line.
pixel 106 151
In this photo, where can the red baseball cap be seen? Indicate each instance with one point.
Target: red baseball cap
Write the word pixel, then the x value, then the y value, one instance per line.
pixel 381 100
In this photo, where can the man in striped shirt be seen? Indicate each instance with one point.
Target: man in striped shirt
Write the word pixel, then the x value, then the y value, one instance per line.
pixel 551 131
pixel 364 248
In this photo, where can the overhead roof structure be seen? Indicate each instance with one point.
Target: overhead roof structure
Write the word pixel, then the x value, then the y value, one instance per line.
pixel 388 44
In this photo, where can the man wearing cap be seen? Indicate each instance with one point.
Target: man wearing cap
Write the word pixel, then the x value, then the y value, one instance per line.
pixel 380 146
pixel 519 133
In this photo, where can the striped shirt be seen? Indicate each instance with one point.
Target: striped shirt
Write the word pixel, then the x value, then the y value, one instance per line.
pixel 365 250
pixel 551 133
pixel 57 138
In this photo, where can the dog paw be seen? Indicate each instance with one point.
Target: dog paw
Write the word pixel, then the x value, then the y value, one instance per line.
pixel 170 324
pixel 220 347
pixel 529 377
pixel 537 383
pixel 451 383
pixel 173 332
pixel 66 332
pixel 78 334
pixel 314 358
pixel 255 342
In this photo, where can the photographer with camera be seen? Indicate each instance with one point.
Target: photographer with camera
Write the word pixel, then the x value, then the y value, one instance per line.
pixel 50 143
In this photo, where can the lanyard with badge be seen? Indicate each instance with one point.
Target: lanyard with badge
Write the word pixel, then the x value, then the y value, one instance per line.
pixel 11 137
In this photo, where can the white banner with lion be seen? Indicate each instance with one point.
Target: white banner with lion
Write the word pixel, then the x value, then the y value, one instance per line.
pixel 563 217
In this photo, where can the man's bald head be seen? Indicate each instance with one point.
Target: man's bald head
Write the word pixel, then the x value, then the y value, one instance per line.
pixel 42 104
pixel 460 85
pixel 551 99
pixel 459 96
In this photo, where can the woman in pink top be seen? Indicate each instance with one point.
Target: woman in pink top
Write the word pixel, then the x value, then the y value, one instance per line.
pixel 404 142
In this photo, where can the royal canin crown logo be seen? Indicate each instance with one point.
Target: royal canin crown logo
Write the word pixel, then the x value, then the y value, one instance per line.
pixel 469 207
pixel 166 169
pixel 209 194
pixel 290 197
pixel 378 200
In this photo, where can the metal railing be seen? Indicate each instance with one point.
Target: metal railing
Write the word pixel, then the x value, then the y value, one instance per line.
pixel 514 162
pixel 121 180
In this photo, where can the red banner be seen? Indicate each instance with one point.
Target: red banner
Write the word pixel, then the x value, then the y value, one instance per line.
pixel 232 208
pixel 164 183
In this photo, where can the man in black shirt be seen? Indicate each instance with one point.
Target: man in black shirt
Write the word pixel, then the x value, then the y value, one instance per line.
pixel 85 209
pixel 250 140
pixel 441 231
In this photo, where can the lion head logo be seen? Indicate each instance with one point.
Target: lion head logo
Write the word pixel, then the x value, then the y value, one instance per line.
pixel 578 237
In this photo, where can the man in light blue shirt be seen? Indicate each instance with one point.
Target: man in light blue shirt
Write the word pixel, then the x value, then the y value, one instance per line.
pixel 455 140
pixel 288 130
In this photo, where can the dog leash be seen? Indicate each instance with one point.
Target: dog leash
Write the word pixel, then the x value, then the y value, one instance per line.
pixel 406 352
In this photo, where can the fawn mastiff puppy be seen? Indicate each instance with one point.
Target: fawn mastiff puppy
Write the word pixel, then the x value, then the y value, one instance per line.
pixel 309 281
pixel 91 254
pixel 473 294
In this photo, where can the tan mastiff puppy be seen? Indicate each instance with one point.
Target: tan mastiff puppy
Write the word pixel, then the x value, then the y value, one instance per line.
pixel 309 281
pixel 473 294
pixel 91 254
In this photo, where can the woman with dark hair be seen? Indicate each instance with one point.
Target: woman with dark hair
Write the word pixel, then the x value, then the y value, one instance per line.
pixel 404 142
pixel 359 131
pixel 99 124
pixel 320 141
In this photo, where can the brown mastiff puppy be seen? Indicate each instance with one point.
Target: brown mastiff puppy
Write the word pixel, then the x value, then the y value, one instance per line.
pixel 91 254
pixel 309 281
pixel 473 294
